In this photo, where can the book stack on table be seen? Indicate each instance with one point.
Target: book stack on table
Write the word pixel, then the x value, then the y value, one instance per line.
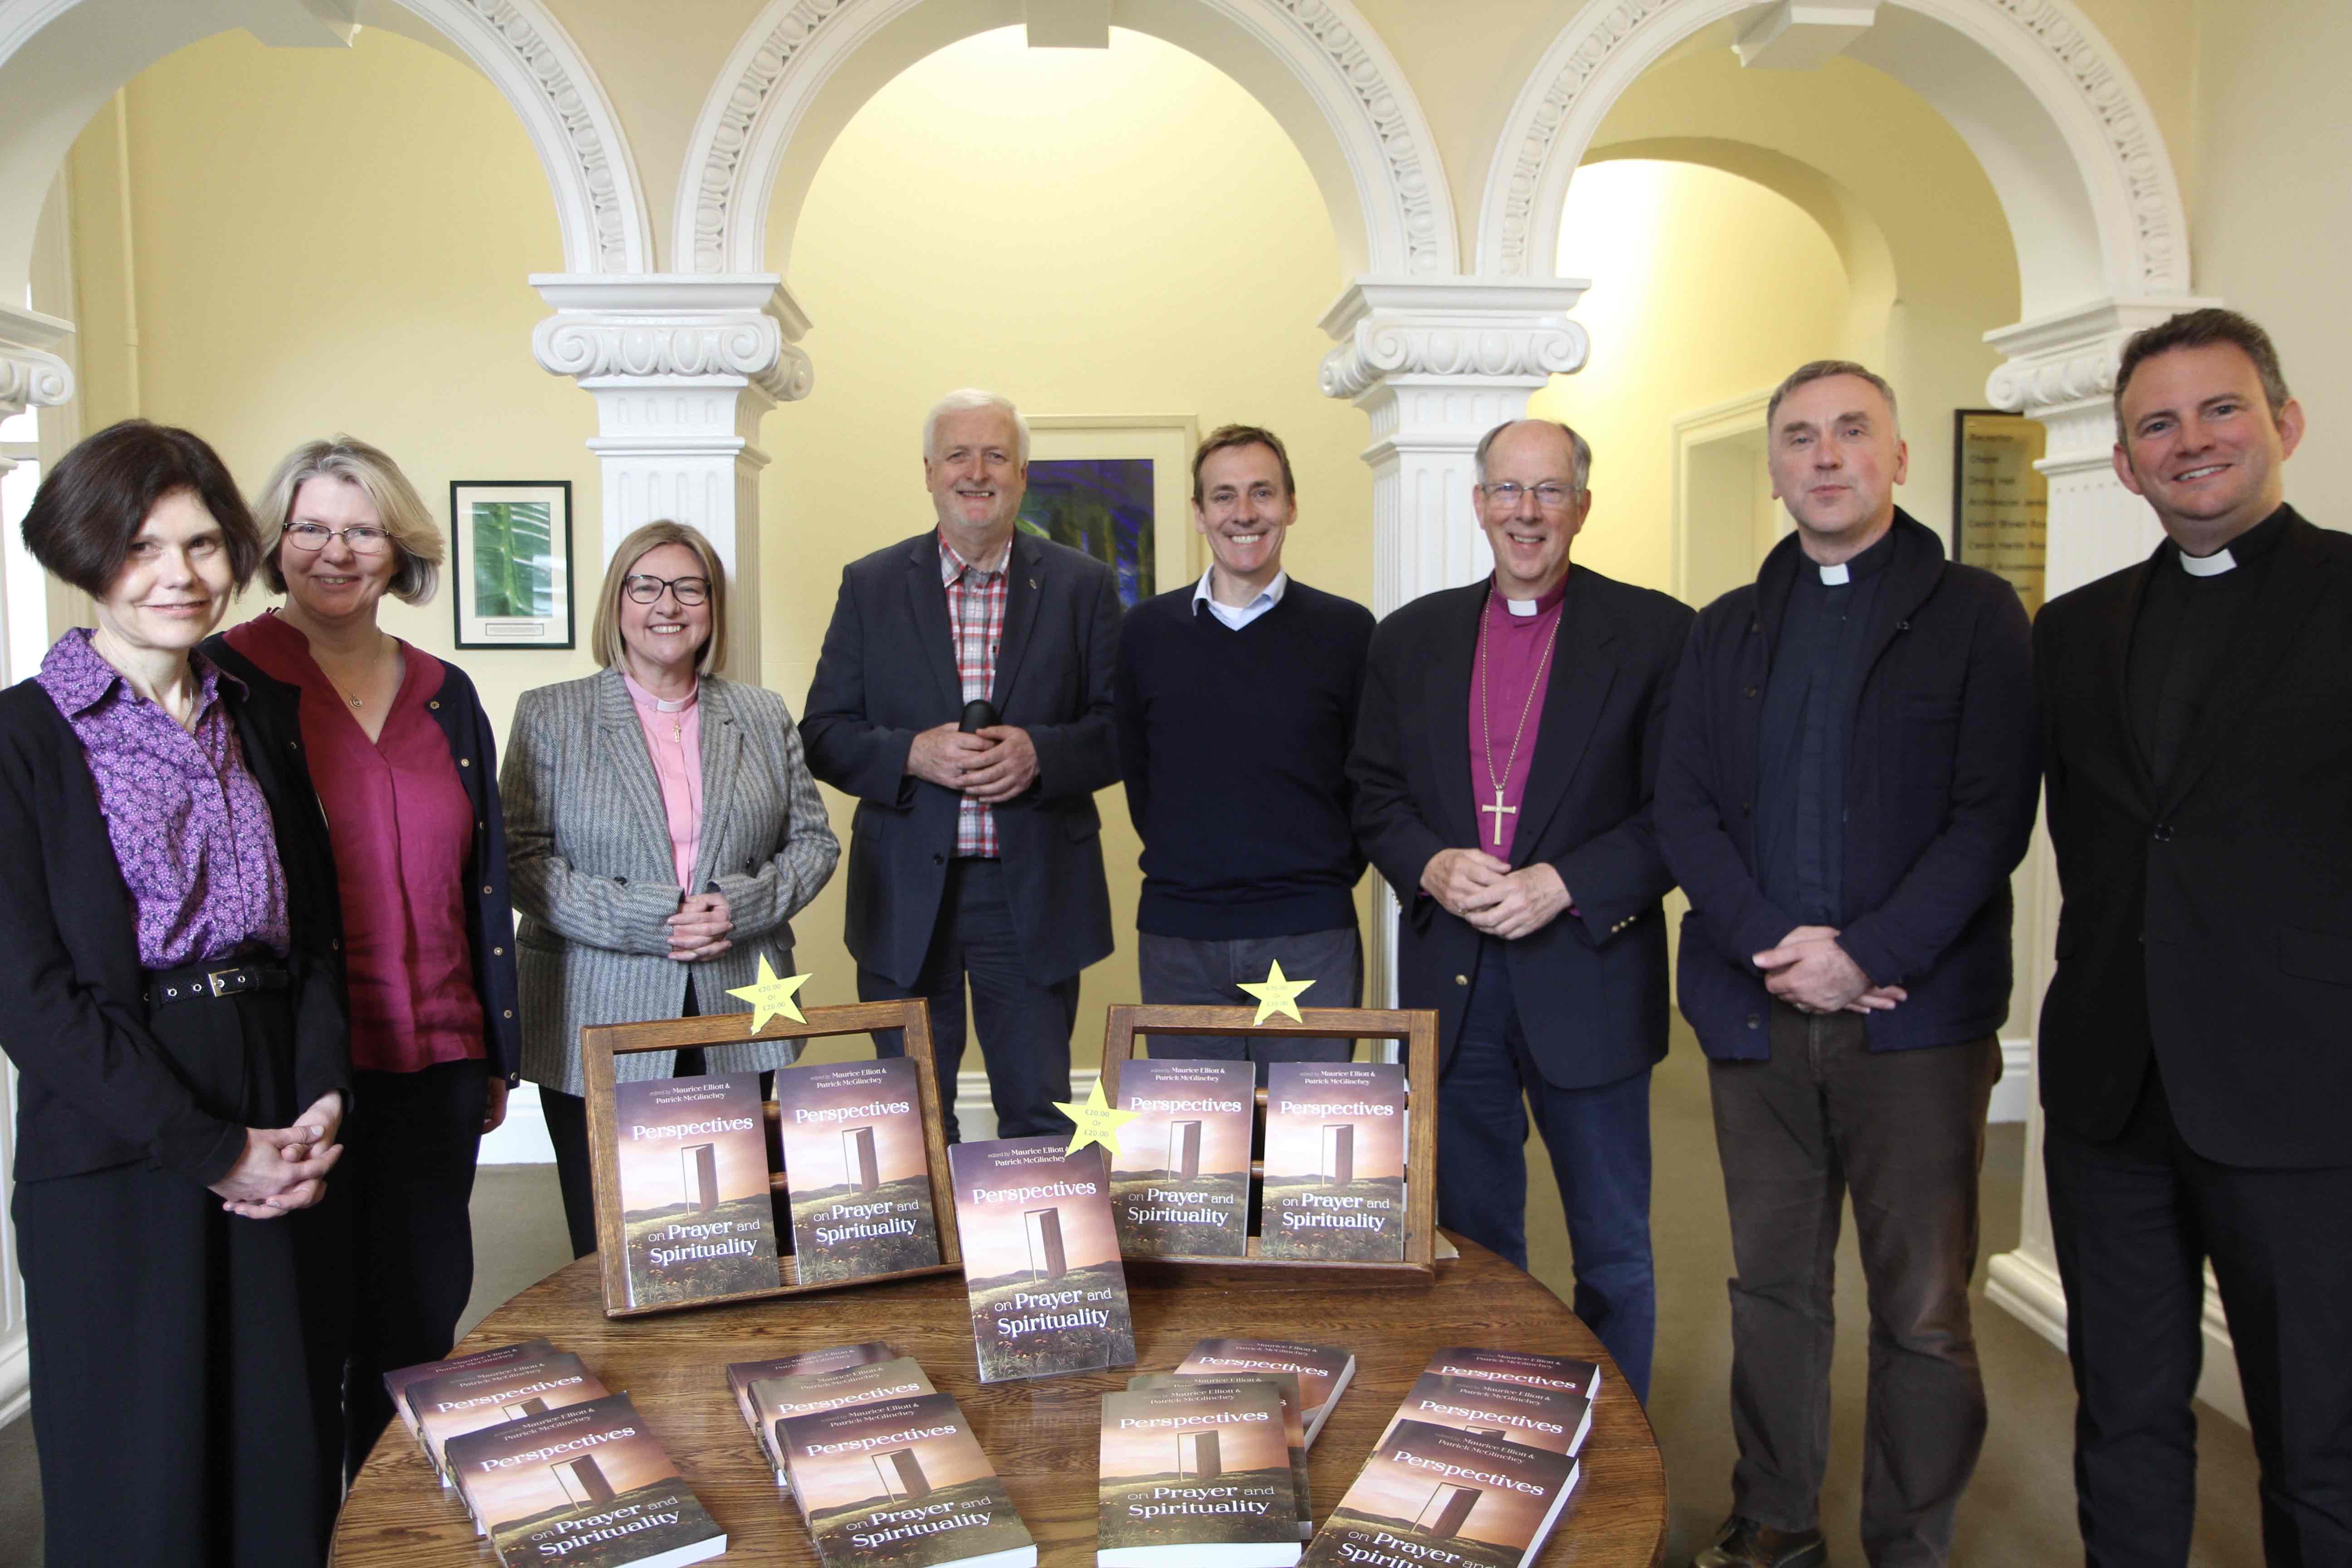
pixel 549 1464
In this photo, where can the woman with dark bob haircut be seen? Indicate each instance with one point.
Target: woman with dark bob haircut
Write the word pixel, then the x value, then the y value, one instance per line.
pixel 168 947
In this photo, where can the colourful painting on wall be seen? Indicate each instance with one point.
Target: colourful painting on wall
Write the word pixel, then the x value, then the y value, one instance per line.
pixel 1103 507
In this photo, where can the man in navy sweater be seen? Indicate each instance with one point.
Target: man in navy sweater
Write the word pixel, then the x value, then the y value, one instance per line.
pixel 1237 703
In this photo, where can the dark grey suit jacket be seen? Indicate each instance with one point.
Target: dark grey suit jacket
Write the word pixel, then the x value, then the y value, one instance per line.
pixel 888 670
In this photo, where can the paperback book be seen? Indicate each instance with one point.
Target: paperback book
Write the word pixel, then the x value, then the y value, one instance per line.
pixel 1530 1367
pixel 902 1483
pixel 1437 1498
pixel 1550 1418
pixel 1335 1134
pixel 1041 1259
pixel 742 1375
pixel 448 1408
pixel 1196 1472
pixel 587 1486
pixel 776 1399
pixel 1324 1371
pixel 854 1162
pixel 1181 1186
pixel 1294 1426
pixel 695 1220
pixel 397 1383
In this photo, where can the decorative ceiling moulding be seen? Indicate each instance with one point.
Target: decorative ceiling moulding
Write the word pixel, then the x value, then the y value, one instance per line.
pixel 782 65
pixel 1485 331
pixel 669 326
pixel 2056 55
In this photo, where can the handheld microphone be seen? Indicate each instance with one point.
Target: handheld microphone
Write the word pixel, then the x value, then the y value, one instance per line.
pixel 978 715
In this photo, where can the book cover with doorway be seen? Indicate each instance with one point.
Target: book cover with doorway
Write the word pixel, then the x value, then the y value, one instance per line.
pixel 1530 1367
pixel 1196 1472
pixel 774 1400
pixel 697 1223
pixel 1294 1422
pixel 447 1407
pixel 742 1375
pixel 1324 1371
pixel 854 1162
pixel 1334 1162
pixel 1041 1259
pixel 902 1483
pixel 587 1486
pixel 1180 1187
pixel 1444 1499
pixel 397 1383
pixel 1550 1418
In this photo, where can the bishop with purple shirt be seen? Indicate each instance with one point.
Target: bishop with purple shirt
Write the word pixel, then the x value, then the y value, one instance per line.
pixel 1502 772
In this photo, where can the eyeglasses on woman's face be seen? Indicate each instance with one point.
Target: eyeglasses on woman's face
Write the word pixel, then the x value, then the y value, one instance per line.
pixel 359 538
pixel 646 590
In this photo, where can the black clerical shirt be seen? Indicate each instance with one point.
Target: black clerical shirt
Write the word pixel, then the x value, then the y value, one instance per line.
pixel 1807 723
pixel 2182 636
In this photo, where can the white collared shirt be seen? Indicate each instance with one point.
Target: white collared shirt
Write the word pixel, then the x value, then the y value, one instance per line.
pixel 1268 598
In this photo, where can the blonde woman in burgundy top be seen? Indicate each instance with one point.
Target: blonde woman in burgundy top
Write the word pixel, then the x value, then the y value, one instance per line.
pixel 167 925
pixel 666 830
pixel 404 764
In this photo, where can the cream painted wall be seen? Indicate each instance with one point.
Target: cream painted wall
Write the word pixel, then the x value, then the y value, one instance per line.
pixel 2273 218
pixel 320 240
pixel 1171 257
pixel 1675 331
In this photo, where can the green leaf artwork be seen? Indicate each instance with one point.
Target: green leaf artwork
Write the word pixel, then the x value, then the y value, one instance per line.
pixel 513 558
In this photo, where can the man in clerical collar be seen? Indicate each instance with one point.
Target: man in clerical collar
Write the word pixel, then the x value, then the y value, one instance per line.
pixel 2197 712
pixel 1504 762
pixel 1849 778
pixel 1236 701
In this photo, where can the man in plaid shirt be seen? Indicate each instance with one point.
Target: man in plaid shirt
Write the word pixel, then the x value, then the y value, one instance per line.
pixel 975 858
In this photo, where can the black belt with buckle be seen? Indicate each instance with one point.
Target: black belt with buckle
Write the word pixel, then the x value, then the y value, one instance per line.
pixel 212 982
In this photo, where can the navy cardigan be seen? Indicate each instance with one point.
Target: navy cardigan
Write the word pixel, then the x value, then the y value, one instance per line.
pixel 1942 778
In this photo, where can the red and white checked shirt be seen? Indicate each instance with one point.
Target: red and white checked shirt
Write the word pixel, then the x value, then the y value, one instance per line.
pixel 975 593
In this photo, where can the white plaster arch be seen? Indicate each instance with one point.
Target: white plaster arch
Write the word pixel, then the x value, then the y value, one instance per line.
pixel 61 59
pixel 805 67
pixel 2045 103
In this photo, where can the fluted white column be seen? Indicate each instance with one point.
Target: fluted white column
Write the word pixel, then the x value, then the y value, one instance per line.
pixel 682 368
pixel 1434 364
pixel 2061 370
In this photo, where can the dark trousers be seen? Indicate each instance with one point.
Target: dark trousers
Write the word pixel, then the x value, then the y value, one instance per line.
pixel 1903 1132
pixel 406 1177
pixel 1197 971
pixel 1023 1025
pixel 185 1364
pixel 2134 1221
pixel 1599 1140
pixel 567 1128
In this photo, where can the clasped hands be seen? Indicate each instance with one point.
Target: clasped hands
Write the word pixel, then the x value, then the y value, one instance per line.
pixel 1813 974
pixel 284 1168
pixel 698 930
pixel 1493 899
pixel 991 765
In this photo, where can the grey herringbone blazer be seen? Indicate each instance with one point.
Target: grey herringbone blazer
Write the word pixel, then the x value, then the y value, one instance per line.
pixel 589 851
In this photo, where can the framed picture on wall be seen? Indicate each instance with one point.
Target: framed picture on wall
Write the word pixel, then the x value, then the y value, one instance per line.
pixel 2001 502
pixel 510 562
pixel 1118 487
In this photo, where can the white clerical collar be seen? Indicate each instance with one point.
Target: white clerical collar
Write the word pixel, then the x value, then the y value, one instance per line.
pixel 645 698
pixel 2212 565
pixel 1836 576
pixel 1522 606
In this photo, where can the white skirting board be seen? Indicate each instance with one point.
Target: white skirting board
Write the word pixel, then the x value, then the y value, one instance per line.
pixel 2014 1093
pixel 2029 1288
pixel 16 1377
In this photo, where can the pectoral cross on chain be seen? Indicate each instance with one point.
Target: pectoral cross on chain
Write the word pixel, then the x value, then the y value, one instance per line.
pixel 1500 811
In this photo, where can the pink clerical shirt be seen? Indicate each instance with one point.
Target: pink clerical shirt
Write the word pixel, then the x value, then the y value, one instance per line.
pixel 403 830
pixel 1514 668
pixel 673 738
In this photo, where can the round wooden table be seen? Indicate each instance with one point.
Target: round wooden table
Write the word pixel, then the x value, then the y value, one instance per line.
pixel 1043 1436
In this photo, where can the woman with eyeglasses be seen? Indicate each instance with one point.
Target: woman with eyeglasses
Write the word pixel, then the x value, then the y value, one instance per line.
pixel 171 1001
pixel 404 765
pixel 664 828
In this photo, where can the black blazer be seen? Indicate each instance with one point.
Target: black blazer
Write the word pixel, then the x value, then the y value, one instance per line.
pixel 2212 919
pixel 1590 987
pixel 1940 790
pixel 99 1088
pixel 888 670
pixel 489 909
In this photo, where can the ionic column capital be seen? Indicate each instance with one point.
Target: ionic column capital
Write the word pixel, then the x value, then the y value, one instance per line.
pixel 1502 334
pixel 674 329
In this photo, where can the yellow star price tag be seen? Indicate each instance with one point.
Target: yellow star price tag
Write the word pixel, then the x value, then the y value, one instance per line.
pixel 1276 994
pixel 1097 1122
pixel 770 994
